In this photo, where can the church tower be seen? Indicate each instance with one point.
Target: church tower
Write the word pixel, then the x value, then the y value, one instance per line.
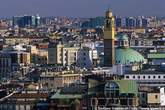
pixel 109 37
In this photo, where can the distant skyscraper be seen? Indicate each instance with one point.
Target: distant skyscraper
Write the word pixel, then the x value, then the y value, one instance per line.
pixel 139 22
pixel 17 20
pixel 94 22
pixel 144 22
pixel 26 21
pixel 130 22
pixel 37 20
pixel 118 22
pixel 109 36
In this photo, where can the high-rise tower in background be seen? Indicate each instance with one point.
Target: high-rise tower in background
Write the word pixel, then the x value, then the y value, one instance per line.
pixel 109 37
pixel 26 21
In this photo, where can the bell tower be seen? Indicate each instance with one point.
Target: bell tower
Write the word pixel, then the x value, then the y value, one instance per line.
pixel 109 37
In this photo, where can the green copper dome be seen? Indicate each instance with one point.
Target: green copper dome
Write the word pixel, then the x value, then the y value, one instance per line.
pixel 124 54
pixel 122 37
pixel 127 56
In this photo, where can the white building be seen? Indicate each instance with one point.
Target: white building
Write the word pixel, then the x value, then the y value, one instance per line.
pixel 80 56
pixel 147 78
pixel 70 55
pixel 65 55
pixel 86 57
pixel 162 96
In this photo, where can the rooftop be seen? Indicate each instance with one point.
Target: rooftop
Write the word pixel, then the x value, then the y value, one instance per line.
pixel 127 56
pixel 127 86
pixel 58 95
pixel 142 72
pixel 29 95
pixel 156 55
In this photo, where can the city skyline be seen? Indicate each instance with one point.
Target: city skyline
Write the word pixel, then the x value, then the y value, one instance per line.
pixel 82 55
pixel 82 8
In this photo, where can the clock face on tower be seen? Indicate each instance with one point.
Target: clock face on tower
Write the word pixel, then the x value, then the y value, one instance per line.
pixel 109 31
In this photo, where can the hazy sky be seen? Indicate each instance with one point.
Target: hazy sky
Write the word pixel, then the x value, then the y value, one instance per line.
pixel 81 8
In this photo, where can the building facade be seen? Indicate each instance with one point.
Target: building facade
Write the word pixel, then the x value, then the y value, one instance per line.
pixel 54 80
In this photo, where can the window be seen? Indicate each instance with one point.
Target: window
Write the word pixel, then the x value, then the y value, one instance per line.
pixel 122 43
pixel 144 77
pixel 156 96
pixel 126 43
pixel 159 77
pixel 112 89
pixel 138 77
pixel 148 77
pixel 154 77
pixel 163 76
pixel 127 77
pixel 133 77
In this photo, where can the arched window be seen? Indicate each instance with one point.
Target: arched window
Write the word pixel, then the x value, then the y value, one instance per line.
pixel 111 89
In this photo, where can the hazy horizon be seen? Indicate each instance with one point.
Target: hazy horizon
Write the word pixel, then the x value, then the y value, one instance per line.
pixel 82 8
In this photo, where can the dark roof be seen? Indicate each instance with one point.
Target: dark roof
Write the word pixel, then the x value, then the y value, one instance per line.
pixel 29 95
pixel 145 72
pixel 25 37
